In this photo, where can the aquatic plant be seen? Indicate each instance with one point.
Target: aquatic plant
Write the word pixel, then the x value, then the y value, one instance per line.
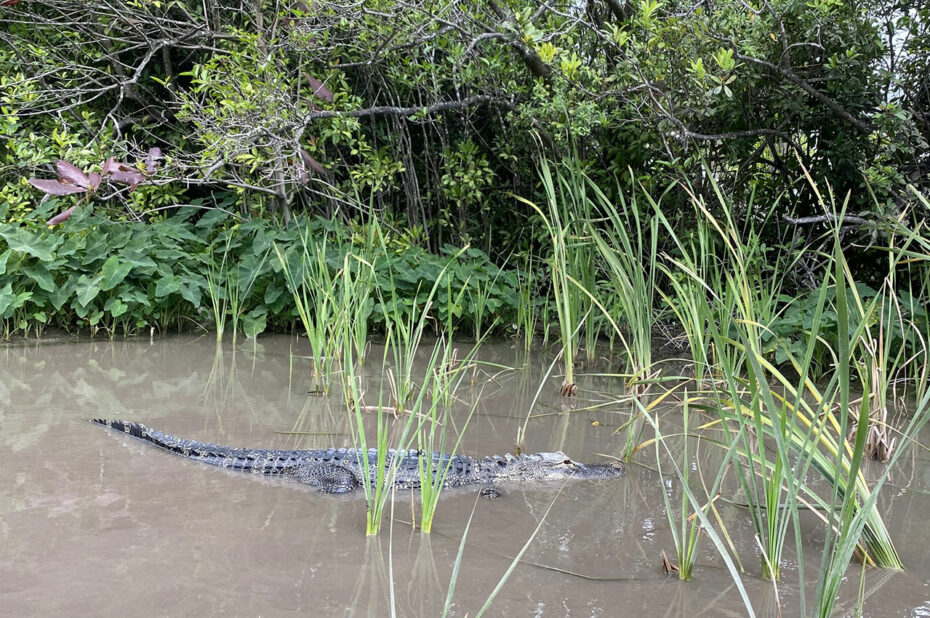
pixel 567 253
pixel 685 528
pixel 377 477
pixel 442 377
pixel 627 244
pixel 311 284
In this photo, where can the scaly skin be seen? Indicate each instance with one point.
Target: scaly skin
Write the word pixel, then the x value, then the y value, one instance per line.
pixel 341 470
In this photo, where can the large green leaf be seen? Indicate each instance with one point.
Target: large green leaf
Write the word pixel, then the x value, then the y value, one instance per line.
pixel 113 272
pixel 96 249
pixel 3 260
pixel 87 289
pixel 272 293
pixel 40 274
pixel 139 260
pixel 60 295
pixel 22 240
pixel 168 284
pixel 254 322
pixel 116 307
pixel 6 300
pixel 191 291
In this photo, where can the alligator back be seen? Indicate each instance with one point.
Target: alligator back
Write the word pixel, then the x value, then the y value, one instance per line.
pixel 285 462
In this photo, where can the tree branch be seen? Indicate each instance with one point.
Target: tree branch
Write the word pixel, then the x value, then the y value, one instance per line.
pixel 792 77
pixel 388 110
pixel 845 220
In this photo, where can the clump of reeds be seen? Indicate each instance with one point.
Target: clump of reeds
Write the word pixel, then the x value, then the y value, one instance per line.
pixel 780 424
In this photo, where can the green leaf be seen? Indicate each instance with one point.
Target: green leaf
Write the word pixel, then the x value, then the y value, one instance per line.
pixel 40 274
pixel 3 259
pixel 96 250
pixel 22 240
pixel 113 272
pixel 6 300
pixel 60 295
pixel 190 292
pixel 139 260
pixel 272 293
pixel 168 284
pixel 87 289
pixel 254 322
pixel 116 307
pixel 211 219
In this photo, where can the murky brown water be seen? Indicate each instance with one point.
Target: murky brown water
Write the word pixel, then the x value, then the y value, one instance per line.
pixel 92 523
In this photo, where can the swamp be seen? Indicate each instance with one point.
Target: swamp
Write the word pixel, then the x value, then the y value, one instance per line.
pixel 685 241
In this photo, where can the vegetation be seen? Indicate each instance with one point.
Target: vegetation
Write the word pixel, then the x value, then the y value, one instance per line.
pixel 431 115
pixel 177 273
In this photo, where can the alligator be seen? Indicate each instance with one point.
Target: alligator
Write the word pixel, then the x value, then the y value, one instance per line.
pixel 342 470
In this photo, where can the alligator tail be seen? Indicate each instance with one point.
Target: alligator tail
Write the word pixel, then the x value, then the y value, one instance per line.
pixel 251 460
pixel 186 448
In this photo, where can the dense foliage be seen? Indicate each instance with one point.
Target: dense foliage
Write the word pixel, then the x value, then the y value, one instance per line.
pixel 433 114
pixel 125 278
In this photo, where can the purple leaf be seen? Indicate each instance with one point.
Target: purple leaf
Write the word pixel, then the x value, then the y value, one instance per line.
pixel 94 180
pixel 122 172
pixel 311 163
pixel 108 166
pixel 55 187
pixel 127 177
pixel 151 160
pixel 60 217
pixel 71 173
pixel 319 90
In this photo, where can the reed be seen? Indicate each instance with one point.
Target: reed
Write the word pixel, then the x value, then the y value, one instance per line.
pixel 442 377
pixel 626 242
pixel 311 285
pixel 480 302
pixel 853 519
pixel 788 431
pixel 685 528
pixel 405 326
pixel 700 512
pixel 376 457
pixel 217 276
pixel 567 252
pixel 528 309
pixel 687 276
pixel 457 564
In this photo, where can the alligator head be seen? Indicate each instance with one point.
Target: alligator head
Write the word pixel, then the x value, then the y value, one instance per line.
pixel 551 466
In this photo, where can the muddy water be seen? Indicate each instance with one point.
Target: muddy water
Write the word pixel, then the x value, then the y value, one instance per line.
pixel 93 523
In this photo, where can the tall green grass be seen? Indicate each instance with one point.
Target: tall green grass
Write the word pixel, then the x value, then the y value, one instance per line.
pixel 801 445
pixel 376 453
pixel 626 242
pixel 603 267
pixel 443 376
pixel 686 529
pixel 312 286
pixel 569 252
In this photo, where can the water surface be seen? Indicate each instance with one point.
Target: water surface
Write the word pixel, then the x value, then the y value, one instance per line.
pixel 95 523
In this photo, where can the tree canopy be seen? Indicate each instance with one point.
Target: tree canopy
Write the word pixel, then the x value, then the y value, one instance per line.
pixel 433 113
